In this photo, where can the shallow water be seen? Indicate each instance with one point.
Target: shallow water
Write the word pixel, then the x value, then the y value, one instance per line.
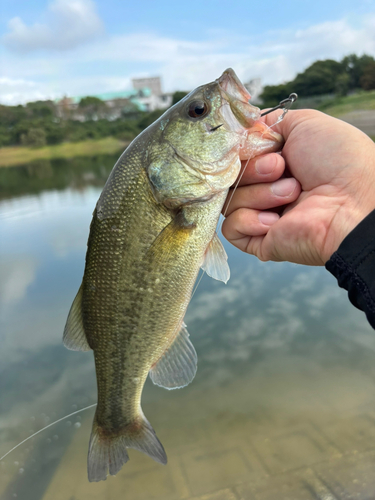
pixel 282 407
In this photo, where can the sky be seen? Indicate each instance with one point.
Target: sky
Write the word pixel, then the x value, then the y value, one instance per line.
pixel 52 48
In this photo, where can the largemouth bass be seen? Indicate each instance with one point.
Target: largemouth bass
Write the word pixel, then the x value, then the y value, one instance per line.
pixel 153 228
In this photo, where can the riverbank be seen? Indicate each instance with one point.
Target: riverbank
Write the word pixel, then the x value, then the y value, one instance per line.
pixel 19 155
pixel 340 106
pixel 357 109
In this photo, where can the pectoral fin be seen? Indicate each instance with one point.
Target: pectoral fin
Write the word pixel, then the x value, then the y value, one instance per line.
pixel 74 337
pixel 178 365
pixel 215 262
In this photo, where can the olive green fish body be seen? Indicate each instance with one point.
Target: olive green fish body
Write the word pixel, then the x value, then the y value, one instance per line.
pixel 152 230
pixel 133 307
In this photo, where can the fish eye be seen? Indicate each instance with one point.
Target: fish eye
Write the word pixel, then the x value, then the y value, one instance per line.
pixel 197 109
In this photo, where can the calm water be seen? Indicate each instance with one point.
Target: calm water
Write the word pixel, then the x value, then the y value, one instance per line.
pixel 282 407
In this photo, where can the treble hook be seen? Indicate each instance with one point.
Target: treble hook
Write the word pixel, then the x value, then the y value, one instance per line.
pixel 285 105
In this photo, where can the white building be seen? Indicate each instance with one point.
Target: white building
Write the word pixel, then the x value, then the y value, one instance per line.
pixel 153 83
pixel 146 95
pixel 150 95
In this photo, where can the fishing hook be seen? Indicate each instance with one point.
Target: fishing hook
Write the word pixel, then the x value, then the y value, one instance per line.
pixel 285 105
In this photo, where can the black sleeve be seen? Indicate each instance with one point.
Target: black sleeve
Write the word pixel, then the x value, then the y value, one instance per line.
pixel 354 266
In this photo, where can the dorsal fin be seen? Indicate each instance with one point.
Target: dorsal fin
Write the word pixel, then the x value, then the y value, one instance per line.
pixel 178 365
pixel 74 337
pixel 215 261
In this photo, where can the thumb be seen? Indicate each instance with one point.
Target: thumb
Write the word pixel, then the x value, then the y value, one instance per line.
pixel 290 121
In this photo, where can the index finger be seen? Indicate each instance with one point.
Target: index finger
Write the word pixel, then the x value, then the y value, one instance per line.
pixel 265 168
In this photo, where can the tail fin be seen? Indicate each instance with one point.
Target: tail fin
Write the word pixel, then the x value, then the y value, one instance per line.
pixel 109 452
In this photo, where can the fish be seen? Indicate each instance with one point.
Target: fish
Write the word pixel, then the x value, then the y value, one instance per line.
pixel 153 228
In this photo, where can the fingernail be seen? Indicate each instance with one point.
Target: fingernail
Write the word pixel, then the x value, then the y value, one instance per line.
pixel 268 218
pixel 265 165
pixel 284 187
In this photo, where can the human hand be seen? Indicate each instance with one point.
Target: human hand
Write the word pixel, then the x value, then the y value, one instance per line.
pixel 331 190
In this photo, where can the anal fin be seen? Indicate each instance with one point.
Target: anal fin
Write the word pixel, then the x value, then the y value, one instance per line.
pixel 178 365
pixel 215 262
pixel 74 337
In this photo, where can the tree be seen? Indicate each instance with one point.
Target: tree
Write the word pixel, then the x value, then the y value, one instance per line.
pixel 35 137
pixel 178 95
pixel 342 85
pixel 319 78
pixel 41 109
pixel 11 115
pixel 149 118
pixel 355 66
pixel 367 80
pixel 92 107
pixel 273 94
pixel 90 101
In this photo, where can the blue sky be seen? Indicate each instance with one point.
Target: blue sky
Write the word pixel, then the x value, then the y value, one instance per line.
pixel 81 47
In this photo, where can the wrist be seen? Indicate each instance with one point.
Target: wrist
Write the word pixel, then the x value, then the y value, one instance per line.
pixel 343 224
pixel 357 203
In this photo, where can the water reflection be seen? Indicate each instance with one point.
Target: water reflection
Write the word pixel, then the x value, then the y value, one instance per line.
pixel 283 402
pixel 57 174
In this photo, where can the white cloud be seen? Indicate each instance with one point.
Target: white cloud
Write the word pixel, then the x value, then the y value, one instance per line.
pixel 14 91
pixel 69 24
pixel 210 303
pixel 327 297
pixel 22 90
pixel 150 47
pixel 183 64
pixel 16 276
pixel 186 64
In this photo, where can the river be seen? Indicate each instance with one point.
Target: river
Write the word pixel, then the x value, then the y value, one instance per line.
pixel 283 404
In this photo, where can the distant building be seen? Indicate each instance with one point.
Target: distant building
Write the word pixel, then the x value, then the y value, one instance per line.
pixel 150 93
pixel 255 88
pixel 146 95
pixel 154 84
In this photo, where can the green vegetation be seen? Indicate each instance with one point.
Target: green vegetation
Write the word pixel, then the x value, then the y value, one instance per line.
pixel 46 130
pixel 10 156
pixel 40 124
pixel 178 95
pixel 92 107
pixel 330 77
pixel 338 106
pixel 44 123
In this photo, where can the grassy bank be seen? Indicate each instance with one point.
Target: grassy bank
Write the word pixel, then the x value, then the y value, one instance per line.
pixel 19 155
pixel 342 105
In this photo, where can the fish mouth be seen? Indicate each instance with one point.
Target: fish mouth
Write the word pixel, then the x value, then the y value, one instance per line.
pixel 236 95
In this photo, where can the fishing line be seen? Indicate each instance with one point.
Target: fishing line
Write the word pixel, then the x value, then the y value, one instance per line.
pixel 231 196
pixel 196 286
pixel 221 223
pixel 46 427
pixel 285 105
